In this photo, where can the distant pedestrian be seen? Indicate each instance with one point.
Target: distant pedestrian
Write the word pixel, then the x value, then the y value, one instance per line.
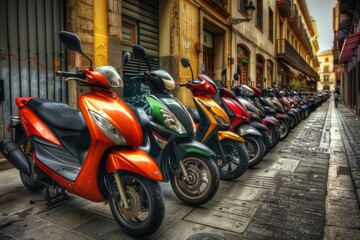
pixel 336 98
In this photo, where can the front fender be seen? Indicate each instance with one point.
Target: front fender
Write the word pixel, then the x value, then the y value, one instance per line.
pixel 133 160
pixel 258 126
pixel 229 134
pixel 248 130
pixel 281 116
pixel 191 146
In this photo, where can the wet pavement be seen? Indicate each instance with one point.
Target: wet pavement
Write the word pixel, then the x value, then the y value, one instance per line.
pixel 307 187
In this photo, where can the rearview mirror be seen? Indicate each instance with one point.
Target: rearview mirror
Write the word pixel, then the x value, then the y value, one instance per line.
pixel 71 41
pixel 139 51
pixel 236 76
pixel 126 58
pixel 185 62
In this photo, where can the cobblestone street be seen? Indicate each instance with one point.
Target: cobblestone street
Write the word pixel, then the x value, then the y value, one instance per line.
pixel 307 187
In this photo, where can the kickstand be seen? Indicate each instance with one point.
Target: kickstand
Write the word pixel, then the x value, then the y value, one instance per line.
pixel 60 195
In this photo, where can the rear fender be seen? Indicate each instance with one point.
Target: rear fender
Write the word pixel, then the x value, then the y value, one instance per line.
pixel 133 160
pixel 248 130
pixel 230 135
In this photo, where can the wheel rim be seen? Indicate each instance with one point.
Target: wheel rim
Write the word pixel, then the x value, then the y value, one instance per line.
pixel 199 179
pixel 232 158
pixel 252 147
pixel 271 134
pixel 138 200
pixel 283 128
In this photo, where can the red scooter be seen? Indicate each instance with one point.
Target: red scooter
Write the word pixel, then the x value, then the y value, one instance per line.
pixel 254 133
pixel 92 153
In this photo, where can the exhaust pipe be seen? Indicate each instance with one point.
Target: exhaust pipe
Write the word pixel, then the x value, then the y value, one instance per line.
pixel 14 155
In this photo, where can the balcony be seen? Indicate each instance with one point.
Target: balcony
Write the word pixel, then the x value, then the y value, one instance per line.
pixel 293 20
pixel 284 7
pixel 221 6
pixel 286 52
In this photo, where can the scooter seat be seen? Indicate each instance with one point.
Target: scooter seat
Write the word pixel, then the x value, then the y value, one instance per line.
pixel 194 114
pixel 57 114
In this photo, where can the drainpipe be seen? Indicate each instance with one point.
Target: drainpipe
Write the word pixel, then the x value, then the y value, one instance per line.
pixel 101 34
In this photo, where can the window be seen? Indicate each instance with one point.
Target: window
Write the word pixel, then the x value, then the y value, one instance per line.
pixel 271 25
pixel 243 4
pixel 326 78
pixel 326 69
pixel 128 33
pixel 259 14
pixel 326 59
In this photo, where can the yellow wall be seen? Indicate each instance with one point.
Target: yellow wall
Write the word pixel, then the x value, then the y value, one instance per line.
pixel 188 37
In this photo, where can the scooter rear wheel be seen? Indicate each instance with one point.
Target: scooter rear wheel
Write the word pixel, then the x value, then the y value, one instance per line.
pixel 147 205
pixel 30 183
pixel 203 180
pixel 235 162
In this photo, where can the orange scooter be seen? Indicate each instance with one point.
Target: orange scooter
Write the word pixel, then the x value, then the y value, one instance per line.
pixel 213 127
pixel 93 153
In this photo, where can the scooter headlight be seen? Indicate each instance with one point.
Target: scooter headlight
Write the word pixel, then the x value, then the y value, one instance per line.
pixel 172 122
pixel 108 129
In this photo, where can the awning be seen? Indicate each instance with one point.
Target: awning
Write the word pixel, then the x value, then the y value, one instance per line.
pixel 293 70
pixel 351 42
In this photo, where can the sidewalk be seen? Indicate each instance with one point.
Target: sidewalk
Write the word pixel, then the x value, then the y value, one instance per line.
pixel 350 131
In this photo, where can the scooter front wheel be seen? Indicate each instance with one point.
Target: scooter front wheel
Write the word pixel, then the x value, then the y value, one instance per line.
pixel 234 160
pixel 202 183
pixel 284 128
pixel 256 149
pixel 146 204
pixel 274 134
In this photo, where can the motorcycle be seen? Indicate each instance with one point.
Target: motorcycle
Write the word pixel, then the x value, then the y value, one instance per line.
pixel 187 163
pixel 92 152
pixel 270 109
pixel 257 113
pixel 253 132
pixel 213 127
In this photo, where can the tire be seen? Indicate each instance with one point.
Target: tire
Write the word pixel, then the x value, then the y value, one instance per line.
pixel 266 140
pixel 235 162
pixel 147 205
pixel 30 183
pixel 274 134
pixel 204 180
pixel 291 121
pixel 284 128
pixel 256 149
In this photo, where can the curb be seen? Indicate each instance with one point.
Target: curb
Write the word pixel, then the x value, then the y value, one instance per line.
pixel 348 140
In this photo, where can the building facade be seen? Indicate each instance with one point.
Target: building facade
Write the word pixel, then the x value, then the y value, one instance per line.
pixel 347 51
pixel 253 43
pixel 297 63
pixel 266 49
pixel 326 71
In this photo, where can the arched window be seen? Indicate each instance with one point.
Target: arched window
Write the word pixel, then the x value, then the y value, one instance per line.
pixel 243 55
pixel 269 72
pixel 260 61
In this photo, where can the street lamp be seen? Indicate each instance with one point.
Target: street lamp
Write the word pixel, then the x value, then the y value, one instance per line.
pixel 249 12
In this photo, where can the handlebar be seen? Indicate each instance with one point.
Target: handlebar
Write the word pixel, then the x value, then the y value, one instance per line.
pixel 182 84
pixel 79 74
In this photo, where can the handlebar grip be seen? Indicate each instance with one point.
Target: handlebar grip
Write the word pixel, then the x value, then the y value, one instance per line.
pixel 182 84
pixel 79 74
